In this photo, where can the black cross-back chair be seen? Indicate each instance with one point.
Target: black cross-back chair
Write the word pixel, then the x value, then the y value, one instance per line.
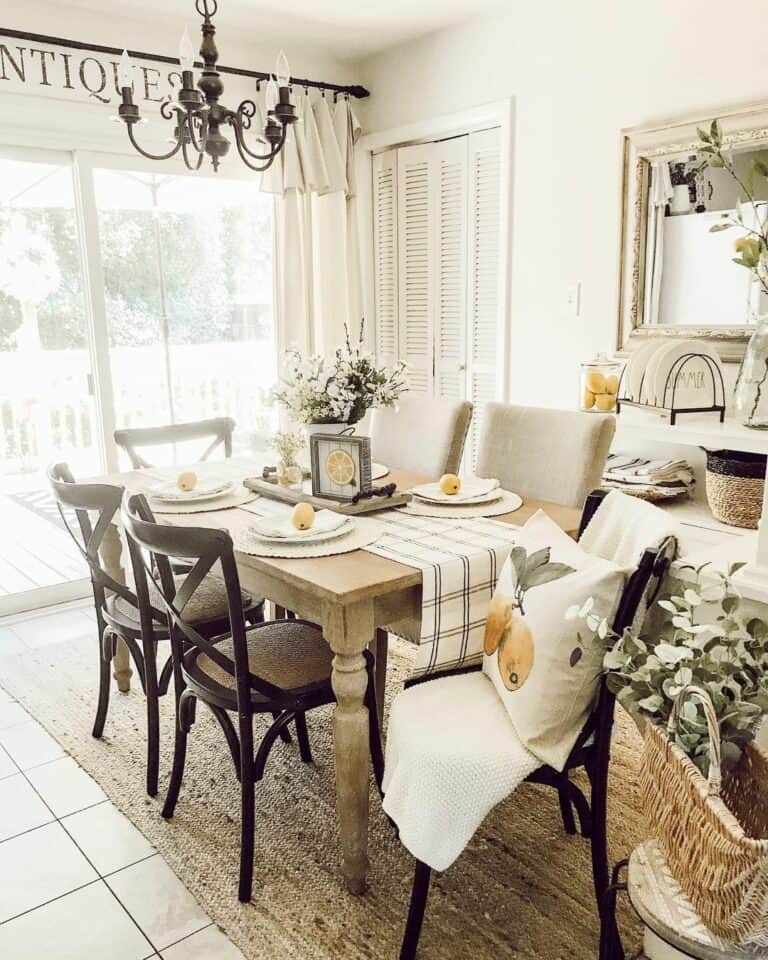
pixel 218 429
pixel 592 749
pixel 281 667
pixel 101 502
pixel 95 506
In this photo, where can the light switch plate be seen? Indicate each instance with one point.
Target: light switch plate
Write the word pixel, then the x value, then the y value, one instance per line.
pixel 573 299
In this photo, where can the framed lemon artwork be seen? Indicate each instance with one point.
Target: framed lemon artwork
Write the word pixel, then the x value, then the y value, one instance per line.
pixel 341 465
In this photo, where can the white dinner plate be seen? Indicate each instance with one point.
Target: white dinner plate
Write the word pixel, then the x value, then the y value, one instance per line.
pixel 379 470
pixel 695 383
pixel 632 380
pixel 169 492
pixel 490 497
pixel 471 488
pixel 303 536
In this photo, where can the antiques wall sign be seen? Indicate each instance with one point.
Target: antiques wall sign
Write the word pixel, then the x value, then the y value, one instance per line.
pixel 48 70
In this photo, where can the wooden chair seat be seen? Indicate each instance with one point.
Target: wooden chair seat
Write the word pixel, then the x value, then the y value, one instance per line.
pixel 290 654
pixel 209 602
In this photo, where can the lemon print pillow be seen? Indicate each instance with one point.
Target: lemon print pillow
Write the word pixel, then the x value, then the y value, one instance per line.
pixel 528 642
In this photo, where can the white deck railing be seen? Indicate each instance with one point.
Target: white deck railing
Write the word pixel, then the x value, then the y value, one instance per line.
pixel 46 409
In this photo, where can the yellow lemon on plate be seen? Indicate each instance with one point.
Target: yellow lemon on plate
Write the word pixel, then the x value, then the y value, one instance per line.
pixel 605 402
pixel 595 382
pixel 340 467
pixel 187 481
pixel 450 483
pixel 303 516
pixel 612 384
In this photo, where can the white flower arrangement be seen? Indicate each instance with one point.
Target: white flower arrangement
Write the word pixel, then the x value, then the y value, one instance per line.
pixel 725 654
pixel 315 390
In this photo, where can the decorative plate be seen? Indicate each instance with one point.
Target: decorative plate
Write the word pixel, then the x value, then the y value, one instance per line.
pixel 169 492
pixel 471 489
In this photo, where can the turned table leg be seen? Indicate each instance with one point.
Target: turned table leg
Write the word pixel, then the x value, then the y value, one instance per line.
pixel 111 552
pixel 349 630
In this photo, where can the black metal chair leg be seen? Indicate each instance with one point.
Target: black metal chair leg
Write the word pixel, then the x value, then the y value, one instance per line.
pixel 611 947
pixel 104 685
pixel 374 732
pixel 302 735
pixel 247 812
pixel 284 734
pixel 566 812
pixel 153 716
pixel 228 729
pixel 381 654
pixel 268 741
pixel 179 754
pixel 419 894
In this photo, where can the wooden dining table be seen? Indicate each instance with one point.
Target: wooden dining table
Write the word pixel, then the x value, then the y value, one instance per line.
pixel 349 595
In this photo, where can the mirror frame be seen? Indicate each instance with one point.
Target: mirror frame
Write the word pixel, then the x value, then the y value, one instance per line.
pixel 741 126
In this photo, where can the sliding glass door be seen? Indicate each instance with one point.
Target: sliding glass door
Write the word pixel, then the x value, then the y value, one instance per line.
pixel 128 297
pixel 188 291
pixel 47 404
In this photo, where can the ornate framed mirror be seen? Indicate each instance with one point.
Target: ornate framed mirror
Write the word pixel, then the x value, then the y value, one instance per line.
pixel 677 278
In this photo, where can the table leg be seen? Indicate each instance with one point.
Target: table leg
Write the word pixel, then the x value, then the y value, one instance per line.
pixel 111 552
pixel 349 630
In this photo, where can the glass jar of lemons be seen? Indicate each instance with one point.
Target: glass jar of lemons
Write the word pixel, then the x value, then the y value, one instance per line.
pixel 599 384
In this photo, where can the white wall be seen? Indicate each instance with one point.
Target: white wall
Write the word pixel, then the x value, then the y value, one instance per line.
pixel 579 72
pixel 34 113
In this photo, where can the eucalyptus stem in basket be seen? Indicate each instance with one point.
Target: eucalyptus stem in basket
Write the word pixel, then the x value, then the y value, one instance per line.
pixel 704 640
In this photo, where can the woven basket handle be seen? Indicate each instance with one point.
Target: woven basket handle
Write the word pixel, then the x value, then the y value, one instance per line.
pixel 715 777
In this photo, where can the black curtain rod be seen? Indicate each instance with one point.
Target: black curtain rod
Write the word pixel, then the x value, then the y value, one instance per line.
pixel 354 90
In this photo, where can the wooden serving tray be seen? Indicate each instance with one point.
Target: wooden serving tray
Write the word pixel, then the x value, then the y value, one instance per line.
pixel 272 489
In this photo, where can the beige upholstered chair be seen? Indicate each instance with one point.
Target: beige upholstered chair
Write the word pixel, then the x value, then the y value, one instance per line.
pixel 555 455
pixel 422 435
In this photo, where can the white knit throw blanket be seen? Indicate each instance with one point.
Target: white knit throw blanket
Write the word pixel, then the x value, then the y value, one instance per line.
pixel 624 527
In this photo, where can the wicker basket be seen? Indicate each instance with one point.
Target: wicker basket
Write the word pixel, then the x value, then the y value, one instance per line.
pixel 735 484
pixel 716 847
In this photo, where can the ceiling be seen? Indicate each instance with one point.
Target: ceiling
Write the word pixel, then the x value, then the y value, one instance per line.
pixel 342 28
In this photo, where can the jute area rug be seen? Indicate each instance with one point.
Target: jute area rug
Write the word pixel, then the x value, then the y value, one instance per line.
pixel 522 889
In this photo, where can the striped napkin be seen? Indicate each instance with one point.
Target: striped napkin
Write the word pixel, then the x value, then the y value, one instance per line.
pixel 460 561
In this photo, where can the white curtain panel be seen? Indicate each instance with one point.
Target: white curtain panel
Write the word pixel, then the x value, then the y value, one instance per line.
pixel 318 260
pixel 659 196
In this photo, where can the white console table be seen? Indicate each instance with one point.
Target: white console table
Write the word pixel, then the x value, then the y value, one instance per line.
pixel 709 540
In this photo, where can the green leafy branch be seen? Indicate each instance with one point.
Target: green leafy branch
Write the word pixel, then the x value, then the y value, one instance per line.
pixel 752 245
pixel 533 571
pixel 703 640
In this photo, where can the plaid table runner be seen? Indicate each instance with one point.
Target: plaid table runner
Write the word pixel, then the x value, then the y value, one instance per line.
pixel 460 561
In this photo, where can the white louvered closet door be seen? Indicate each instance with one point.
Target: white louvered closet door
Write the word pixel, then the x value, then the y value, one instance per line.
pixel 416 195
pixel 385 254
pixel 437 272
pixel 450 273
pixel 485 328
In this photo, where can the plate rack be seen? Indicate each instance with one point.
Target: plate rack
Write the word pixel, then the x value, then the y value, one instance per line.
pixel 668 407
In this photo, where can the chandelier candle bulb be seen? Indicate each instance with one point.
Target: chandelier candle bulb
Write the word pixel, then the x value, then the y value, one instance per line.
pixel 125 73
pixel 282 70
pixel 186 54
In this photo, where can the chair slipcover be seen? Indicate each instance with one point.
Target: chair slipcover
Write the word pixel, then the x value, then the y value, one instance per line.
pixel 422 435
pixel 555 455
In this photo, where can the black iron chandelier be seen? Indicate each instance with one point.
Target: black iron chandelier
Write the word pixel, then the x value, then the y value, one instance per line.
pixel 199 117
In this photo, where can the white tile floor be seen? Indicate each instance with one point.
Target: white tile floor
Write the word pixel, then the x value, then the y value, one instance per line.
pixel 77 879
